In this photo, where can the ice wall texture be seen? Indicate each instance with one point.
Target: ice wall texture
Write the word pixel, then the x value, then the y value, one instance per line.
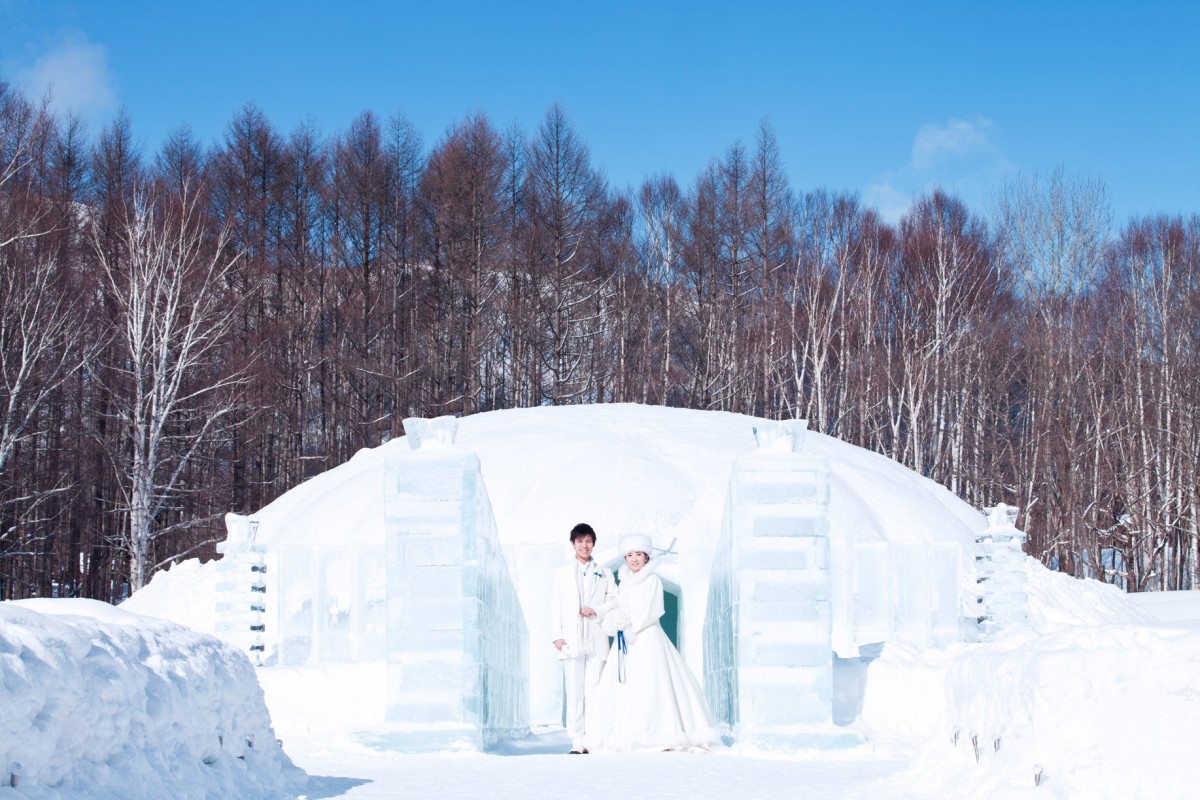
pixel 332 603
pixel 457 643
pixel 768 630
pixel 896 592
pixel 98 702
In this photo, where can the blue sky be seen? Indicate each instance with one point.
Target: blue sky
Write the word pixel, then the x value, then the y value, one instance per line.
pixel 885 99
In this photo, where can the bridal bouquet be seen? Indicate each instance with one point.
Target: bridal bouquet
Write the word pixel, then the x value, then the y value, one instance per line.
pixel 615 620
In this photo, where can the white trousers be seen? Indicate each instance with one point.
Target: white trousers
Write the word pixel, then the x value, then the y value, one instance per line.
pixel 581 675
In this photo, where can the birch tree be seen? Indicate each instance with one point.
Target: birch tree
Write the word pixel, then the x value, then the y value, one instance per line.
pixel 1052 232
pixel 42 342
pixel 1156 269
pixel 172 384
pixel 945 284
pixel 36 315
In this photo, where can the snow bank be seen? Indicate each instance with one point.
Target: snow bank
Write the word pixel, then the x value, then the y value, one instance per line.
pixel 1106 711
pixel 185 593
pixel 1177 607
pixel 906 689
pixel 1063 706
pixel 102 703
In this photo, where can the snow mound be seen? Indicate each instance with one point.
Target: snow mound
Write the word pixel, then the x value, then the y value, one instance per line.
pixel 102 703
pixel 184 593
pixel 1056 599
pixel 1059 708
pixel 1099 711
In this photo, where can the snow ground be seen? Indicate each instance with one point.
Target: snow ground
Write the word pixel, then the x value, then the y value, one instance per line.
pixel 1099 700
pixel 1103 709
pixel 539 768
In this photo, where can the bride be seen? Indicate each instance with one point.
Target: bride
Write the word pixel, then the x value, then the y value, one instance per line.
pixel 647 699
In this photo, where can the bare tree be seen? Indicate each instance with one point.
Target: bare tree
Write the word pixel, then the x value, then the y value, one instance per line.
pixel 36 313
pixel 1154 271
pixel 42 341
pixel 463 196
pixel 172 385
pixel 661 209
pixel 771 242
pixel 38 342
pixel 566 198
pixel 1051 235
pixel 819 285
pixel 945 285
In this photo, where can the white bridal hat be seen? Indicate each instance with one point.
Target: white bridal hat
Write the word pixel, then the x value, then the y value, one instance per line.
pixel 636 542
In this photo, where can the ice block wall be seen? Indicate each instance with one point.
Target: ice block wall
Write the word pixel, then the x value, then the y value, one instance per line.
pixel 767 643
pixel 457 643
pixel 333 603
pixel 895 592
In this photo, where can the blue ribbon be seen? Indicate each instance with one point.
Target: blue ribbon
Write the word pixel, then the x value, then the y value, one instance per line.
pixel 622 650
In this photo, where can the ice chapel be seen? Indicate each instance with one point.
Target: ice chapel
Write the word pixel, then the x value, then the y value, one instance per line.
pixel 787 556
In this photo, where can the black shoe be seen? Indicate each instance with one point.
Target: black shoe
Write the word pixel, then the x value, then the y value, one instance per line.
pixel 576 752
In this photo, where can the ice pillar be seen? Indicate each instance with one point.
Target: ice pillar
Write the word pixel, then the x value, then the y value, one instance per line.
pixel 457 644
pixel 242 587
pixel 1000 572
pixel 768 651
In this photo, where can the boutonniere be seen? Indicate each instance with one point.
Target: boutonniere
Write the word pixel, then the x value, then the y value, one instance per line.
pixel 598 574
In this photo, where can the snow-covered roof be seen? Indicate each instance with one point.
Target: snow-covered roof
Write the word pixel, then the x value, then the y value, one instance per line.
pixel 621 467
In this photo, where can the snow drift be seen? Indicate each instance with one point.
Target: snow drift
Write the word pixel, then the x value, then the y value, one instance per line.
pixel 100 702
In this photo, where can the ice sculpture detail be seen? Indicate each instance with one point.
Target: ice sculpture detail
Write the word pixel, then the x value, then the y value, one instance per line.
pixel 1000 573
pixel 332 603
pixel 439 431
pixel 242 587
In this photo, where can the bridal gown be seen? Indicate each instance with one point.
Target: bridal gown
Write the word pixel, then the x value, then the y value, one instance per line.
pixel 647 698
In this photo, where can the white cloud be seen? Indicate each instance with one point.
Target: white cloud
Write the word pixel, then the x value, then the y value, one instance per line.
pixel 76 75
pixel 958 155
pixel 956 139
pixel 890 201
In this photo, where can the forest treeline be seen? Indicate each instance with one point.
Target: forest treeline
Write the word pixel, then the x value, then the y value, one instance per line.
pixel 196 330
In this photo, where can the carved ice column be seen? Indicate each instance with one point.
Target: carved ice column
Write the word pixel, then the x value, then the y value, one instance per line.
pixel 768 630
pixel 457 644
pixel 1000 573
pixel 242 587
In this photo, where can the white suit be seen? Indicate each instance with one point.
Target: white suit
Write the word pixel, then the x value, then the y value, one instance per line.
pixel 577 586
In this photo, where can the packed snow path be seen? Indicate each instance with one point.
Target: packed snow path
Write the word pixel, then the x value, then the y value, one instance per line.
pixel 541 768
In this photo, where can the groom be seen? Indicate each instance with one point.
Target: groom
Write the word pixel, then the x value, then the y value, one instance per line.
pixel 581 587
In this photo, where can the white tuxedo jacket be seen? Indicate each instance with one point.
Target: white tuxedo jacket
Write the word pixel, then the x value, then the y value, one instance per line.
pixel 583 635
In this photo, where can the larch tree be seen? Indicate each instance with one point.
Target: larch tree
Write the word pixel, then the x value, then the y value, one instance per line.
pixel 463 198
pixel 565 196
pixel 661 215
